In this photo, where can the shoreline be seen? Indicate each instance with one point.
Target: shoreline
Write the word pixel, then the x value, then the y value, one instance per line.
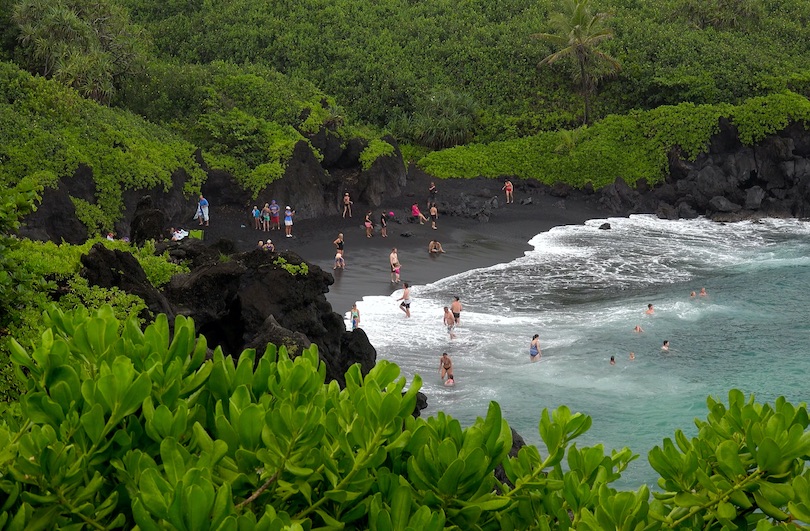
pixel 468 243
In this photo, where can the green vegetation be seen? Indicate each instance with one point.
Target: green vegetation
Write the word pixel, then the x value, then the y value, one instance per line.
pixel 49 132
pixel 578 33
pixel 136 428
pixel 293 269
pixel 632 146
pixel 380 61
pixel 375 149
pixel 88 45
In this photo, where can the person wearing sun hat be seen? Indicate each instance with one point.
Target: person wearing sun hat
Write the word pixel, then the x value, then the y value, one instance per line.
pixel 288 220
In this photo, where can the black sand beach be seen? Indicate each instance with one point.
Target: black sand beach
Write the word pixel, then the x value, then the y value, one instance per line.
pixel 468 243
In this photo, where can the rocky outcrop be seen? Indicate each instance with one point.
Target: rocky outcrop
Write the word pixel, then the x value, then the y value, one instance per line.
pixel 729 182
pixel 311 187
pixel 245 301
pixel 116 269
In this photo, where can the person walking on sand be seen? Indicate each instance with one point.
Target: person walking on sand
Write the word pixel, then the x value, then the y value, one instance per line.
pixel 339 243
pixel 257 217
pixel 508 187
pixel 456 308
pixel 202 210
pixel 347 205
pixel 383 225
pixel 288 220
pixel 405 305
pixel 369 225
pixel 417 214
pixel 449 322
pixel 434 215
pixel 445 366
pixel 534 349
pixel 274 215
pixel 355 314
pixel 393 261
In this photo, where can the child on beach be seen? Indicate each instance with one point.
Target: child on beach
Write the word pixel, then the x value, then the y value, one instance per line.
pixel 355 313
pixel 340 263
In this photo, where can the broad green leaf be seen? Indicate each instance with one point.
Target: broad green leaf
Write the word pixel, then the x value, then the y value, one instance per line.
pixel 769 456
pixel 93 423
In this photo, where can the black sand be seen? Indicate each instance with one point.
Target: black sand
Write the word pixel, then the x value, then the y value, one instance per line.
pixel 469 244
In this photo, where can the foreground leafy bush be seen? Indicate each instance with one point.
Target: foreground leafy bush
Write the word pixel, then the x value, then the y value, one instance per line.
pixel 118 430
pixel 632 146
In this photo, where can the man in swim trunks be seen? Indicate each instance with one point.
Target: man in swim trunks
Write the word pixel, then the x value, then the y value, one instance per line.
pixel 434 215
pixel 445 367
pixel 456 307
pixel 534 349
pixel 393 261
pixel 449 322
pixel 405 305
pixel 274 215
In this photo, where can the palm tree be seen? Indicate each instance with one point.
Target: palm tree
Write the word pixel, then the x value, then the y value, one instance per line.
pixel 579 32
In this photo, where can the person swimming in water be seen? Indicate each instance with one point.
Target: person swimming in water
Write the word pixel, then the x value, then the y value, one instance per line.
pixel 632 356
pixel 613 360
pixel 665 346
pixel 703 292
pixel 534 349
pixel 638 329
pixel 650 309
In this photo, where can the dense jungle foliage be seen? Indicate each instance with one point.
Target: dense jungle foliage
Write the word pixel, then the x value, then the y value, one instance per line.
pixel 121 427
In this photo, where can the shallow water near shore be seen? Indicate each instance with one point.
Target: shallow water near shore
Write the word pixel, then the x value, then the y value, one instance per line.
pixel 583 290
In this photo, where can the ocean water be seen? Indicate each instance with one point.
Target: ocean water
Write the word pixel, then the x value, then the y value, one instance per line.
pixel 583 290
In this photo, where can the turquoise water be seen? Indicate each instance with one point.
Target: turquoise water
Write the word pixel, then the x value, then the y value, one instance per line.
pixel 583 290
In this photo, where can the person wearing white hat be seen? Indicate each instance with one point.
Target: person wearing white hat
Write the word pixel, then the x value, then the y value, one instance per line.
pixel 288 220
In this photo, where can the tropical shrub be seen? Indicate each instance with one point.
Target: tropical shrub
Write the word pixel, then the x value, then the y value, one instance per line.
pixel 632 146
pixel 138 428
pixel 49 132
pixel 375 149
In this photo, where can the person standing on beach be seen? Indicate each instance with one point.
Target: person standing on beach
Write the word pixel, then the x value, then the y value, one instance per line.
pixel 257 217
pixel 202 210
pixel 456 308
pixel 355 313
pixel 405 305
pixel 347 205
pixel 432 191
pixel 508 187
pixel 383 225
pixel 339 242
pixel 534 349
pixel 434 215
pixel 393 261
pixel 288 220
pixel 445 367
pixel 449 322
pixel 340 263
pixel 274 211
pixel 369 225
pixel 266 217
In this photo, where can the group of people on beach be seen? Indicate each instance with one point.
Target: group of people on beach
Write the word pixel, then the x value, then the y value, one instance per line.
pixel 269 218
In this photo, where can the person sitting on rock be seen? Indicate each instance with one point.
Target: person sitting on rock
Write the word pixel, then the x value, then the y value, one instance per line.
pixel 178 234
pixel 417 215
pixel 268 246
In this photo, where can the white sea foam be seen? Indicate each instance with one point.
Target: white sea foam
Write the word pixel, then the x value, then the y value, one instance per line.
pixel 583 290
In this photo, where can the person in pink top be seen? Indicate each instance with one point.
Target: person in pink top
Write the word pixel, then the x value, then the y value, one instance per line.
pixel 417 214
